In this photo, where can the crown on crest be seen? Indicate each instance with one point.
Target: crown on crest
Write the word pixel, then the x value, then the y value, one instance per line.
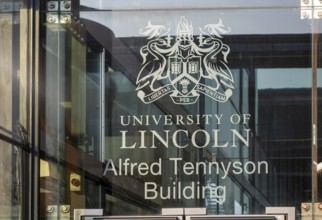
pixel 184 29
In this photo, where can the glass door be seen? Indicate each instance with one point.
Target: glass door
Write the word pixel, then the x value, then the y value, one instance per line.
pixel 151 105
pixel 207 108
pixel 15 120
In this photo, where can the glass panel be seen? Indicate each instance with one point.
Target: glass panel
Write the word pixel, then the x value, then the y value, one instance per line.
pixel 71 124
pixel 13 182
pixel 14 72
pixel 318 92
pixel 166 148
pixel 203 108
pixel 235 156
pixel 15 99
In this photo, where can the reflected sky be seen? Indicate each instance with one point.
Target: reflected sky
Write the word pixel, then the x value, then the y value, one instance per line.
pixel 241 22
pixel 285 78
pixel 148 4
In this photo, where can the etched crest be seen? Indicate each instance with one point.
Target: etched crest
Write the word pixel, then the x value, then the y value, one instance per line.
pixel 185 66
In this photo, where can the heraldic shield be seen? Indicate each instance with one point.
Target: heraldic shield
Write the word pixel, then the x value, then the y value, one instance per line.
pixel 184 76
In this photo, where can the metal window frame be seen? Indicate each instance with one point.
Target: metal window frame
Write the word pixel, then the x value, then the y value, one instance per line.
pixel 272 213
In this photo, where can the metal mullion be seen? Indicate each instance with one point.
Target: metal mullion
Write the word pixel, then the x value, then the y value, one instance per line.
pixel 314 106
pixel 102 109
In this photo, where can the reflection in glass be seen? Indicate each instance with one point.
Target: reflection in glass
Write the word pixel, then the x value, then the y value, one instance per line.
pixel 233 157
pixel 70 122
pixel 13 181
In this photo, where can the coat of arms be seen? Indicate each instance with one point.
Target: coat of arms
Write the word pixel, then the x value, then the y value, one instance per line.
pixel 186 66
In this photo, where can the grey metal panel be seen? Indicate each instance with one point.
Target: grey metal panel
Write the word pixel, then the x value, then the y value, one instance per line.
pixel 172 211
pixel 206 217
pixel 137 218
pixel 231 217
pixel 288 211
pixel 78 213
pixel 195 211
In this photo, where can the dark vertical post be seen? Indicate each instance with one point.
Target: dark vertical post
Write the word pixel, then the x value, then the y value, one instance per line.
pixel 315 39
